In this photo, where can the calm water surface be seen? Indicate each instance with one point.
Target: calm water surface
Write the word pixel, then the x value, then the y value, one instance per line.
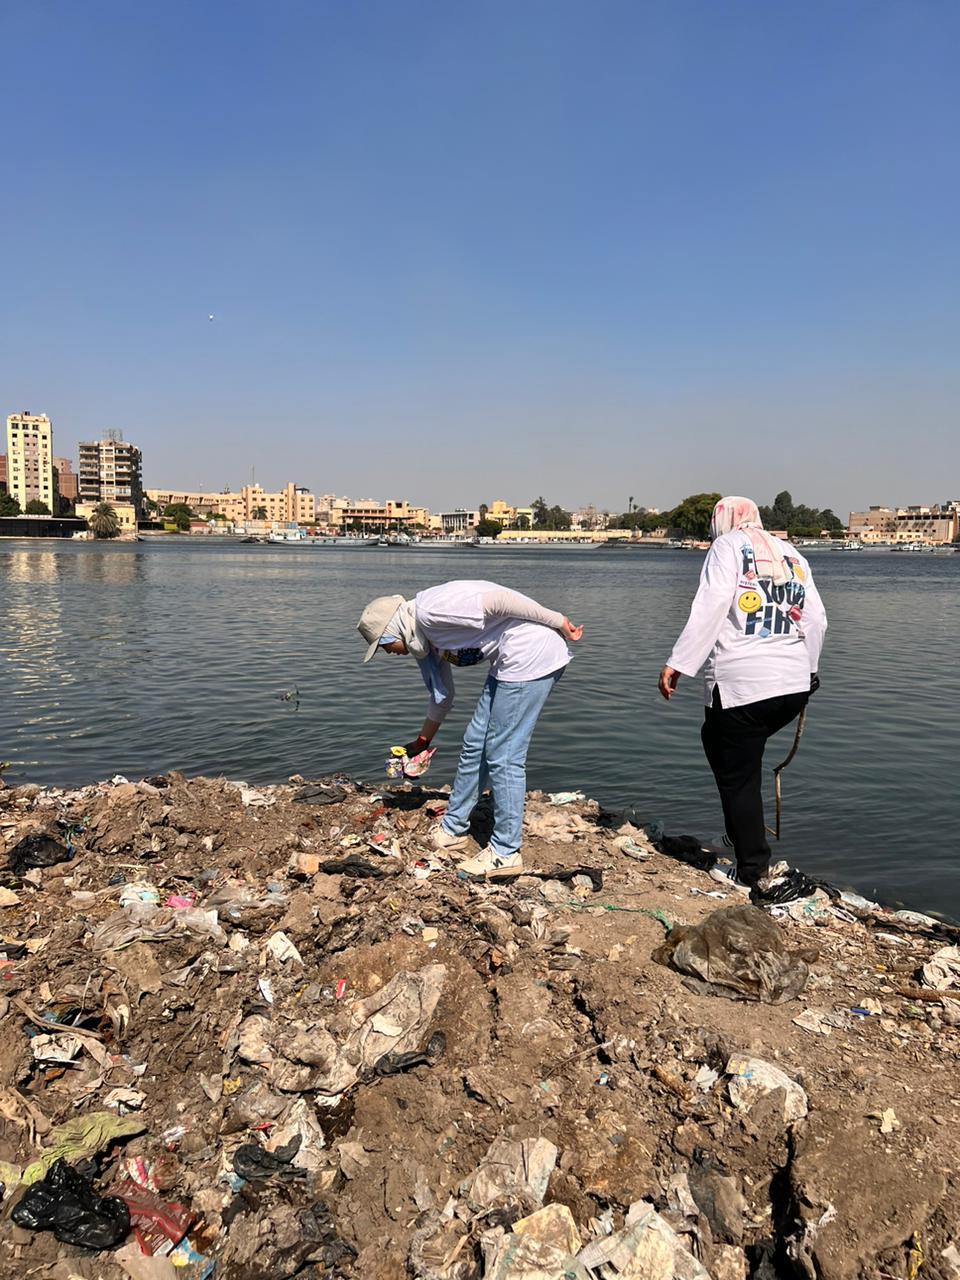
pixel 139 658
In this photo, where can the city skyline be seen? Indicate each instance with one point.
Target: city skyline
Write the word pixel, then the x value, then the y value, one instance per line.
pixel 701 247
pixel 415 499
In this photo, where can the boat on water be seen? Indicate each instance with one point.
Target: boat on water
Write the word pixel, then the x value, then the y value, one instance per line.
pixel 394 540
pixel 852 544
pixel 927 548
pixel 534 544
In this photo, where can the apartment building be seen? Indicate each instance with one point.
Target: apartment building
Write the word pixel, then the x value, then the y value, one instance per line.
pixel 507 516
pixel 371 515
pixel 111 471
pixel 290 505
pixel 937 524
pixel 65 482
pixel 30 459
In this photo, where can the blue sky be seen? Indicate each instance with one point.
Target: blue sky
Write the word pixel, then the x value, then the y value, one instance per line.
pixel 458 252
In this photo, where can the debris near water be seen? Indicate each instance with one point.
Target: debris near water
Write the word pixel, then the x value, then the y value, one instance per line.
pixel 270 1031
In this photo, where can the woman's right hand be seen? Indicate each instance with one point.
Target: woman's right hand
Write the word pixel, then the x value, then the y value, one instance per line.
pixel 570 632
pixel 669 679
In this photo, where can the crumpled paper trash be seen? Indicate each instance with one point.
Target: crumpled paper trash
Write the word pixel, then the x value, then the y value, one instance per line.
pixel 646 1249
pixel 753 1078
pixel 541 1246
pixel 301 1057
pixel 942 970
pixel 514 1168
pixel 146 922
pixel 559 825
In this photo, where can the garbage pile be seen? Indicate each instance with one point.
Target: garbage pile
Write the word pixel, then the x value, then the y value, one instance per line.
pixel 266 1031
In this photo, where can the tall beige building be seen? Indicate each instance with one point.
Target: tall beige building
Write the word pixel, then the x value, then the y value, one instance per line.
pixel 30 459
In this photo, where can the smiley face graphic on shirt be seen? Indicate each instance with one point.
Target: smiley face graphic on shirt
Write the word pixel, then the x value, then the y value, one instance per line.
pixel 750 601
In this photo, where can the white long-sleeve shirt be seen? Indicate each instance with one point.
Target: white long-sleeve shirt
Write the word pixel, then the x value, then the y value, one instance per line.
pixel 468 622
pixel 753 639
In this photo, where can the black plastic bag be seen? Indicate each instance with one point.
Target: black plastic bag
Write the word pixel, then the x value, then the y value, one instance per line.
pixel 394 1063
pixel 66 1204
pixel 37 850
pixel 689 850
pixel 737 952
pixel 354 866
pixel 257 1164
pixel 320 794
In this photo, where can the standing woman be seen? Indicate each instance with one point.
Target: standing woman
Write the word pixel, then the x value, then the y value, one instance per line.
pixel 758 623
pixel 463 624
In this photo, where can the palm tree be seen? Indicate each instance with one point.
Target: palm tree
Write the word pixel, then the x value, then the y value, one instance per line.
pixel 260 513
pixel 104 522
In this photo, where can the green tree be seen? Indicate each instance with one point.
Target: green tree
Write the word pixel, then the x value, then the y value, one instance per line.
pixel 36 508
pixel 521 522
pixel 799 521
pixel 179 515
pixel 259 513
pixel 103 522
pixel 9 506
pixel 692 516
pixel 489 529
pixel 545 517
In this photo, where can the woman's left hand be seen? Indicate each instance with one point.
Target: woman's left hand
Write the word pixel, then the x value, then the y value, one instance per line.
pixel 570 632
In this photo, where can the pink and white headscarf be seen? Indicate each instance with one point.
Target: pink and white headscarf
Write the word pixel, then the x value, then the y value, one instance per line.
pixel 741 513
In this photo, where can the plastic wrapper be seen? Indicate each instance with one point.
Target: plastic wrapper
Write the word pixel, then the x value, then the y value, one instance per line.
pixel 737 952
pixel 400 765
pixel 158 1225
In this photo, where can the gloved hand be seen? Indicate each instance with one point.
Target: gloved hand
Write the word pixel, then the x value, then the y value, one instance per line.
pixel 416 746
pixel 814 682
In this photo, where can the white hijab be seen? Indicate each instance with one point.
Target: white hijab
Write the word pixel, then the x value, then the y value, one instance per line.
pixel 742 513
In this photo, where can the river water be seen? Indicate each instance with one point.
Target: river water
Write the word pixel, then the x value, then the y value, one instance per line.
pixel 138 658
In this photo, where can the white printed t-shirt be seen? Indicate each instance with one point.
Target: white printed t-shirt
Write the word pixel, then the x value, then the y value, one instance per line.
pixel 463 634
pixel 753 639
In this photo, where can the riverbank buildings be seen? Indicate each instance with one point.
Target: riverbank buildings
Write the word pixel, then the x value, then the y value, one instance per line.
pixel 30 476
pixel 936 525
pixel 111 470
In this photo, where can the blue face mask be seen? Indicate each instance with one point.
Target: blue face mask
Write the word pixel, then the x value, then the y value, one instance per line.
pixel 388 640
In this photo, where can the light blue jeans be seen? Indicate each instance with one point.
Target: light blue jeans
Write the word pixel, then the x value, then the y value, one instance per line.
pixel 494 754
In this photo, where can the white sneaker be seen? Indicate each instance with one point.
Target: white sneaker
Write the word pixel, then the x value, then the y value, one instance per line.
pixel 728 879
pixel 438 837
pixel 486 862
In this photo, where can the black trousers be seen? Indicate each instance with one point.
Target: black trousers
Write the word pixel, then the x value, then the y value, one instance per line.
pixel 734 739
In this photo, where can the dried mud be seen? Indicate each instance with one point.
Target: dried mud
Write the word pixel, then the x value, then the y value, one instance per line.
pixel 557 1024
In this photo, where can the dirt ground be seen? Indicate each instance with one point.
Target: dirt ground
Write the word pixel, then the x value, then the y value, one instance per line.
pixel 258 1005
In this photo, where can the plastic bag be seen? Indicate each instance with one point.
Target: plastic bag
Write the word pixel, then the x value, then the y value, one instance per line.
pixel 37 851
pixel 66 1204
pixel 687 849
pixel 737 952
pixel 158 1225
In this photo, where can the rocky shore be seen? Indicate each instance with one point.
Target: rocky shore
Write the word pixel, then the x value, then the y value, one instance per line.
pixel 271 1035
